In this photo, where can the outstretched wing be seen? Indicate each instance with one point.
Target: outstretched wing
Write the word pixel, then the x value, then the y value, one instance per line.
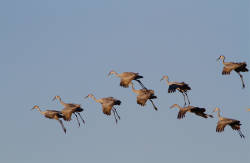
pixel 107 107
pixel 172 88
pixel 200 112
pixel 227 70
pixel 181 113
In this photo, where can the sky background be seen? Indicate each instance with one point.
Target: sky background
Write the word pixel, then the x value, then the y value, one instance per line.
pixel 67 48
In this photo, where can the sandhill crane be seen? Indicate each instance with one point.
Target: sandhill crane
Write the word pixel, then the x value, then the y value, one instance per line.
pixel 70 108
pixel 192 109
pixel 237 67
pixel 52 114
pixel 107 105
pixel 181 87
pixel 143 95
pixel 127 77
pixel 235 124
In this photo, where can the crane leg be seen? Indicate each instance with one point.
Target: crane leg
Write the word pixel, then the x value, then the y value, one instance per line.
pixel 241 77
pixel 141 84
pixel 184 99
pixel 77 119
pixel 187 98
pixel 153 104
pixel 115 116
pixel 64 129
pixel 241 135
pixel 81 118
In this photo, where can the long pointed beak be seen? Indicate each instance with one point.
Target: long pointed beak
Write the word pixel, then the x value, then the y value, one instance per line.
pixel 86 97
pixel 218 59
pixel 162 79
pixel 32 108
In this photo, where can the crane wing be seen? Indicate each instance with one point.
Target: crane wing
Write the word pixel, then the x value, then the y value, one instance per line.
pixel 142 98
pixel 227 70
pixel 67 112
pixel 181 113
pixel 172 88
pixel 200 112
pixel 107 107
pixel 222 124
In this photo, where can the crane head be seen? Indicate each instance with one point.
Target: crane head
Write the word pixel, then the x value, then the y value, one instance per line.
pixel 215 110
pixel 174 106
pixel 164 77
pixel 56 97
pixel 221 57
pixel 35 107
pixel 111 72
pixel 89 95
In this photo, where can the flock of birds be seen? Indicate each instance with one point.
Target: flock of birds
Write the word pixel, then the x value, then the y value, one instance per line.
pixel 144 94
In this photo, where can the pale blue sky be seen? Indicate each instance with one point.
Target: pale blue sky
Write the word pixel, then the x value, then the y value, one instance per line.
pixel 67 48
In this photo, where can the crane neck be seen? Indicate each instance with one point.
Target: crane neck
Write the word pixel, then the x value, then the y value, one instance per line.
pixel 167 80
pixel 223 60
pixel 218 114
pixel 61 102
pixel 134 90
pixel 116 74
pixel 178 106
pixel 42 112
pixel 96 100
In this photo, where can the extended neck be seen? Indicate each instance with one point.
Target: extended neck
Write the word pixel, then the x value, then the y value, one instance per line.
pixel 167 81
pixel 178 106
pixel 223 60
pixel 60 100
pixel 116 74
pixel 218 113
pixel 133 89
pixel 40 111
pixel 96 100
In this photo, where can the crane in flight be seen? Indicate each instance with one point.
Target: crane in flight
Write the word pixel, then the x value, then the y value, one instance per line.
pixel 223 122
pixel 52 114
pixel 237 67
pixel 182 87
pixel 143 95
pixel 69 109
pixel 107 105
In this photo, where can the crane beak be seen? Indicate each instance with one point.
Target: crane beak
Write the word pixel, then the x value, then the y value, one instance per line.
pixel 162 78
pixel 33 108
pixel 86 97
pixel 218 59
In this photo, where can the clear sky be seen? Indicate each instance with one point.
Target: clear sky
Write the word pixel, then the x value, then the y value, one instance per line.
pixel 67 48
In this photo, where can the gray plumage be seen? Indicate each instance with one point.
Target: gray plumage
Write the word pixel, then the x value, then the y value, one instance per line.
pixel 237 67
pixel 127 77
pixel 223 122
pixel 182 87
pixel 192 109
pixel 107 105
pixel 52 114
pixel 143 95
pixel 69 109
